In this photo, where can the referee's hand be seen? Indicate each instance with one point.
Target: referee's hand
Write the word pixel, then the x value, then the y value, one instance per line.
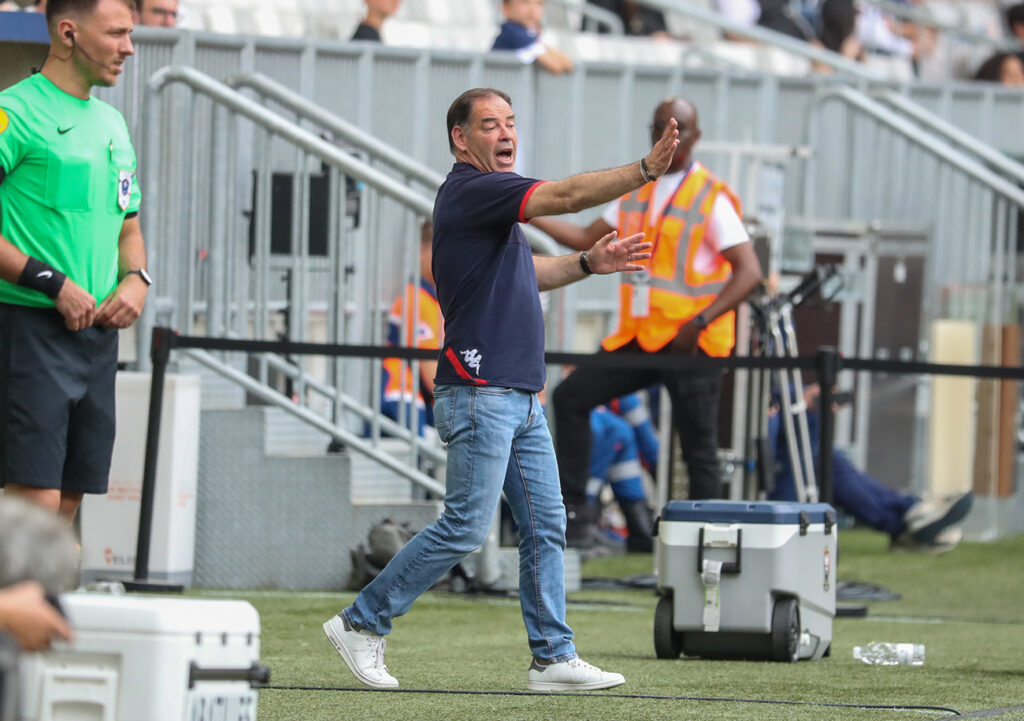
pixel 123 306
pixel 76 305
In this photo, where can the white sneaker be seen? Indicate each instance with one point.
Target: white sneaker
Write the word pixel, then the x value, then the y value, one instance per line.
pixel 927 518
pixel 572 675
pixel 363 652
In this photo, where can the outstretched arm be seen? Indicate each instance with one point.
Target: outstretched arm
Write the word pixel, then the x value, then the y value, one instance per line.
pixel 589 189
pixel 607 256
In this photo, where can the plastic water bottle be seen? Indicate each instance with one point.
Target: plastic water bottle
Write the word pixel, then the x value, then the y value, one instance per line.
pixel 884 653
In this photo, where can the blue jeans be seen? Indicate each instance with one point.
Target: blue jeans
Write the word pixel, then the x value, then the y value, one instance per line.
pixel 497 440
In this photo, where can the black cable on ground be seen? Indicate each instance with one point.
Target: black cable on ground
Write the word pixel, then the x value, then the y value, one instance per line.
pixel 579 694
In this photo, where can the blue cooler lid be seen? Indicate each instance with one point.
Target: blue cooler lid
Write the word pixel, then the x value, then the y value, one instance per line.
pixel 777 512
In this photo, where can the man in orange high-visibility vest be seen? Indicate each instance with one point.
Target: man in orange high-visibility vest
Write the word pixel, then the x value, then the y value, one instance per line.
pixel 701 269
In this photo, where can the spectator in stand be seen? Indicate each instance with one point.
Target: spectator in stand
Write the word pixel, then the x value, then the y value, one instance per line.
pixel 744 12
pixel 839 28
pixel 520 33
pixel 1004 68
pixel 425 331
pixel 637 18
pixel 1015 21
pixel 9 6
pixel 159 13
pixel 780 16
pixel 377 11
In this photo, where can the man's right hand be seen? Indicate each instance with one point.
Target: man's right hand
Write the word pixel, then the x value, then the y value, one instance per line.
pixel 76 305
pixel 661 154
pixel 27 616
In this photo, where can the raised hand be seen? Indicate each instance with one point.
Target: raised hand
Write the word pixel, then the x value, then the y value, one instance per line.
pixel 611 256
pixel 661 154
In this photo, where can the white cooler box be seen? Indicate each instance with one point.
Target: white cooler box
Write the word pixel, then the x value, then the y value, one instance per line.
pixel 138 658
pixel 750 580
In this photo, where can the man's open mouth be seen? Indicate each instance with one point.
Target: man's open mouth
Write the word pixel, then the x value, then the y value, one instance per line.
pixel 505 154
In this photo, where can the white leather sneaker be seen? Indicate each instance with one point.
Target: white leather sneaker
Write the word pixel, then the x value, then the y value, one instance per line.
pixel 362 651
pixel 572 675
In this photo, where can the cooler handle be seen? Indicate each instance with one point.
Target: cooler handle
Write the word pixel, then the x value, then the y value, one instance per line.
pixel 255 674
pixel 728 566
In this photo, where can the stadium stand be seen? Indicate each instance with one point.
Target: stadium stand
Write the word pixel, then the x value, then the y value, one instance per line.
pixel 471 26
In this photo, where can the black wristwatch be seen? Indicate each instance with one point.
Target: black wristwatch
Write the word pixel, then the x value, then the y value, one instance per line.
pixel 142 273
pixel 700 320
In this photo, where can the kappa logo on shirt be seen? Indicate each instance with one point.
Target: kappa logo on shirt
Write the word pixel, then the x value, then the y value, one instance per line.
pixel 472 359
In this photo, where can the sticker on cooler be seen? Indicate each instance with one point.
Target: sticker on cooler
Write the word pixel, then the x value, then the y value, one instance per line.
pixel 218 706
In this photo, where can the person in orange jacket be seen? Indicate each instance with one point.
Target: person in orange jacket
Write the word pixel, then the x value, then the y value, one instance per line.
pixel 702 267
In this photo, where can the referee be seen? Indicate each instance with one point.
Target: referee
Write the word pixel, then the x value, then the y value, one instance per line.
pixel 72 259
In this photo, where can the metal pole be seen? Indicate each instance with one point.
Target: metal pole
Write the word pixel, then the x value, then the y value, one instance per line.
pixel 828 372
pixel 162 343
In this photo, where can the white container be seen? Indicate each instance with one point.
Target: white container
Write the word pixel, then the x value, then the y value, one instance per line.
pixel 745 580
pixel 110 522
pixel 138 658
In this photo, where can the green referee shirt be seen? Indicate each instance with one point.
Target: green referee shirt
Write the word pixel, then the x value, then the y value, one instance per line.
pixel 68 182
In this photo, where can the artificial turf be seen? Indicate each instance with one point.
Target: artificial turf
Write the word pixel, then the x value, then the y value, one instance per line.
pixel 966 606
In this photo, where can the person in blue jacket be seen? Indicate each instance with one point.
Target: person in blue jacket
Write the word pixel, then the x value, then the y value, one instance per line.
pixel 912 522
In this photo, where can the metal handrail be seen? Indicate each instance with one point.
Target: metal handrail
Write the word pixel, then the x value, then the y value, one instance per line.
pixel 953 134
pixel 305 108
pixel 769 37
pixel 932 143
pixel 271 121
pixel 922 17
pixel 285 403
pixel 387 425
pixel 600 15
pixel 309 142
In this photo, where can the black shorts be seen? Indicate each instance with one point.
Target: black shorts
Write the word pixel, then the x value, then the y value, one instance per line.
pixel 56 401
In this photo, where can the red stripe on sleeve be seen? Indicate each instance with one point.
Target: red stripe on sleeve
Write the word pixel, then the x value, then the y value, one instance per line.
pixel 463 373
pixel 526 197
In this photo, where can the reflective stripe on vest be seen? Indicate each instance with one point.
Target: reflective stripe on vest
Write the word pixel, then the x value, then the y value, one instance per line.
pixel 678 291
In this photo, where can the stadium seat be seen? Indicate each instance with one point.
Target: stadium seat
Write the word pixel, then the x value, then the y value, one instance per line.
pixel 409 34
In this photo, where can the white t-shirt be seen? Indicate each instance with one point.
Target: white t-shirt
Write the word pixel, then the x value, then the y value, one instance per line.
pixel 725 229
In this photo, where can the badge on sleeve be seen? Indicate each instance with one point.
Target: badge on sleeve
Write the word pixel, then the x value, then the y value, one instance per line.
pixel 125 178
pixel 4 120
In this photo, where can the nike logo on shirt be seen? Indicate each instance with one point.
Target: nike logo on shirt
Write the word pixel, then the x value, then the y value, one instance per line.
pixel 62 131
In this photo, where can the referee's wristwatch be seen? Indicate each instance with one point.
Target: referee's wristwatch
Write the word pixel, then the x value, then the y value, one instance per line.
pixel 142 273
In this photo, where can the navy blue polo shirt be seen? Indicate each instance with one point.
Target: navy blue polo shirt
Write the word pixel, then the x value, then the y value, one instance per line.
pixel 514 36
pixel 486 283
